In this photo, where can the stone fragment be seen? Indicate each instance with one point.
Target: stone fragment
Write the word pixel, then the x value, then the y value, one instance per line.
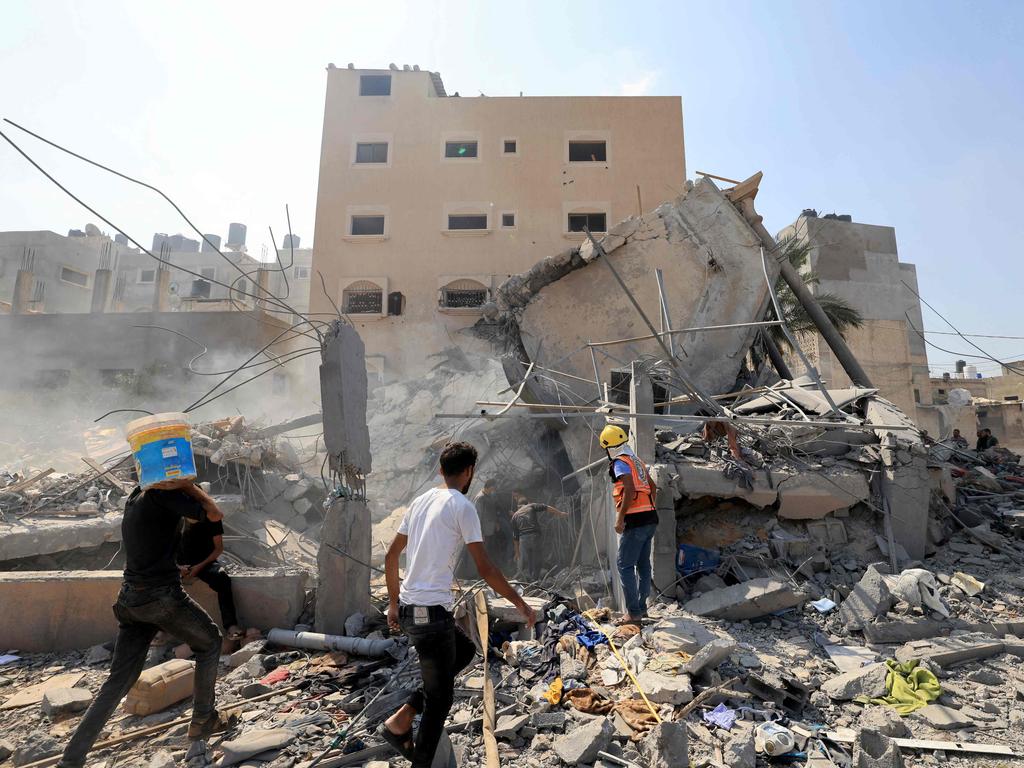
pixel 666 746
pixel 97 655
pixel 254 743
pixel 986 677
pixel 582 744
pixel 252 690
pixel 903 630
pixel 246 652
pixel 666 689
pixel 162 759
pixel 885 720
pixel 867 681
pixel 509 725
pixel 746 600
pixel 876 750
pixel 6 749
pixel 679 634
pixel 296 491
pixel 944 718
pixel 739 750
pixel 302 507
pixel 869 599
pixel 956 649
pixel 65 701
pixel 88 508
pixel 36 747
pixel 548 720
pixel 710 656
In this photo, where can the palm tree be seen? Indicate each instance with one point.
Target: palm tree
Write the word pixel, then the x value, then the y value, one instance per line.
pixel 838 310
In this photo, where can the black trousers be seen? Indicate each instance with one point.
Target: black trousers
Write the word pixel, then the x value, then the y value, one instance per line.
pixel 141 613
pixel 444 651
pixel 218 580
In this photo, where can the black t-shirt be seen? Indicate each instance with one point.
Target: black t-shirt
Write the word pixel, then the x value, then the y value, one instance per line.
pixel 150 531
pixel 526 521
pixel 197 541
pixel 638 519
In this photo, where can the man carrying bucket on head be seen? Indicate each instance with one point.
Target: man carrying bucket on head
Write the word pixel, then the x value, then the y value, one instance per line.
pixel 151 598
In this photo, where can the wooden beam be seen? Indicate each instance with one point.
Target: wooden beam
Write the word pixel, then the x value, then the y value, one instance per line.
pixel 21 485
pixel 106 476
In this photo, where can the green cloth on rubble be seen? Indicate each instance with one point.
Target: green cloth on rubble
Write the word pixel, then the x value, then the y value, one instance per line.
pixel 909 687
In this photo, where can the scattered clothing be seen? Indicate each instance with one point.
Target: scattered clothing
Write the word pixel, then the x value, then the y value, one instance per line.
pixel 588 700
pixel 721 716
pixel 909 687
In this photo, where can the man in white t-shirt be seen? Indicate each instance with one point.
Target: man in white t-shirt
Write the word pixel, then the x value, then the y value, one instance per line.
pixel 435 528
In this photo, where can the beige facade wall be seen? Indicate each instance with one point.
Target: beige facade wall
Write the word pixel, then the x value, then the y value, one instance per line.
pixel 418 187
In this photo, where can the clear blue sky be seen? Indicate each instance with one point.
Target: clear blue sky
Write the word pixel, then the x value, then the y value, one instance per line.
pixel 909 114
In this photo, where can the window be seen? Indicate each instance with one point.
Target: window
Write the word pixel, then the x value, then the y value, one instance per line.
pixel 595 222
pixel 301 273
pixel 375 85
pixel 463 294
pixel 372 152
pixel 942 391
pixel 917 395
pixel 460 149
pixel 147 275
pixel 363 298
pixel 1011 398
pixel 208 273
pixel 367 225
pixel 508 219
pixel 510 146
pixel 467 221
pixel 242 287
pixel 73 276
pixel 588 151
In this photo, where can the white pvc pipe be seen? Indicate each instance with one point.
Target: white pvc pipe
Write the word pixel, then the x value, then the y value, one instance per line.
pixel 316 641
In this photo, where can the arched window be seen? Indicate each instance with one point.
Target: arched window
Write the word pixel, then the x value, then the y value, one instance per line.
pixel 363 298
pixel 463 294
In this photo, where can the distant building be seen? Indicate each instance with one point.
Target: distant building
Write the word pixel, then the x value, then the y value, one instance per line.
pixel 860 263
pixel 428 201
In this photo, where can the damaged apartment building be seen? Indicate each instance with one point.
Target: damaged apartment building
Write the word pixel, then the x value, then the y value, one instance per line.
pixel 519 272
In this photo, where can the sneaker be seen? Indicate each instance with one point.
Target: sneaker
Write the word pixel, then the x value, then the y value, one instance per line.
pixel 218 722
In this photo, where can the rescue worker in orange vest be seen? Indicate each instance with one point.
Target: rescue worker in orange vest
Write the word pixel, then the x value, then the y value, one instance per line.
pixel 636 520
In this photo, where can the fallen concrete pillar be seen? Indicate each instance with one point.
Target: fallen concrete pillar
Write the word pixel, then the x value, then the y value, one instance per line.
pixel 66 610
pixel 951 650
pixel 747 600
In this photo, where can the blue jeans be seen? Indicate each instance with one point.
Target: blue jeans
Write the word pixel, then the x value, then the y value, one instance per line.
pixel 634 563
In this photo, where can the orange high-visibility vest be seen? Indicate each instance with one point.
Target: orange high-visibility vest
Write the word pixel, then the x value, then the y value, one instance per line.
pixel 641 484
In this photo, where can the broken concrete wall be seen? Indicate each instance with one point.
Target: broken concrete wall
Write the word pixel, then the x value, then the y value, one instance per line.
pixel 58 611
pixel 711 262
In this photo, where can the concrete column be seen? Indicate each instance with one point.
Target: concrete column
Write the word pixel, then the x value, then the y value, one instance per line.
pixel 666 543
pixel 343 583
pixel 162 291
pixel 23 285
pixel 100 291
pixel 263 288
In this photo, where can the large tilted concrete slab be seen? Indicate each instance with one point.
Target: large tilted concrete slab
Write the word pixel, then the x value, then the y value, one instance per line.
pixel 65 610
pixel 33 536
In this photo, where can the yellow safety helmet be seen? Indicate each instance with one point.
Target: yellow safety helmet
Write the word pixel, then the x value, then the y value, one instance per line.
pixel 613 436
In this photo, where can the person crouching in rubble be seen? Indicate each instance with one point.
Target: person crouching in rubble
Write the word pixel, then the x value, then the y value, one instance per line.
pixel 528 541
pixel 202 543
pixel 434 529
pixel 152 599
pixel 636 520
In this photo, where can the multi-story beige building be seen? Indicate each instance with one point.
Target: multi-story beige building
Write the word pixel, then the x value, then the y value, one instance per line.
pixel 428 201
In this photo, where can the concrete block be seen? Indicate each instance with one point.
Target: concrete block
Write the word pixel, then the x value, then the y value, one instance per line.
pixel 35 747
pixel 666 689
pixel 710 656
pixel 867 681
pixel 811 496
pixel 254 743
pixel 943 718
pixel 945 651
pixel 582 744
pixel 509 725
pixel 343 585
pixel 29 537
pixel 666 746
pixel 739 750
pixel 869 599
pixel 747 600
pixel 47 611
pixel 679 634
pixel 6 749
pixel 873 749
pixel 548 720
pixel 65 701
pixel 904 630
pixel 162 759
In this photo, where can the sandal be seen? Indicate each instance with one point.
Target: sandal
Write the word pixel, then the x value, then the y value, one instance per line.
pixel 401 743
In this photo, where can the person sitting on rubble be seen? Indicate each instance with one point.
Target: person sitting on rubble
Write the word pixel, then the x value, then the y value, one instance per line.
pixel 716 430
pixel 636 520
pixel 152 599
pixel 958 440
pixel 528 541
pixel 202 543
pixel 986 440
pixel 435 527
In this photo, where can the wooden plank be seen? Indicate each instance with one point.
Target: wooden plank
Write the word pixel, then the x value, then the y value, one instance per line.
pixel 106 476
pixel 490 742
pixel 931 744
pixel 34 693
pixel 21 485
